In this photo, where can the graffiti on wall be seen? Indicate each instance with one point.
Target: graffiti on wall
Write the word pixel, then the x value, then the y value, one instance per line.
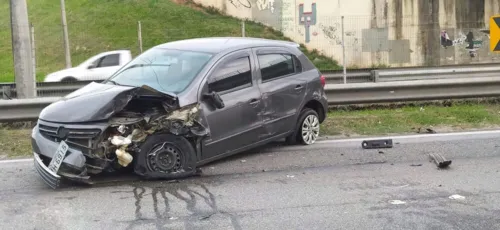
pixel 330 32
pixel 307 19
pixel 241 3
pixel 261 4
pixel 469 42
pixel 265 4
pixel 267 12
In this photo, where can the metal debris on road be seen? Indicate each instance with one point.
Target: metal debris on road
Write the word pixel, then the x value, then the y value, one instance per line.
pixel 415 165
pixel 440 161
pixel 456 197
pixel 374 144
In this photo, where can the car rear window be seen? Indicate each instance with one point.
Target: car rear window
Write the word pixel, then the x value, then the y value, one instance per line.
pixel 274 66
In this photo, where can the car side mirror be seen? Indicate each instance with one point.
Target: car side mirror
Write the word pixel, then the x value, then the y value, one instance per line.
pixel 91 66
pixel 215 99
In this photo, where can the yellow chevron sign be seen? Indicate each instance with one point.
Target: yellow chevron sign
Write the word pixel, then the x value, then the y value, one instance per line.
pixel 495 33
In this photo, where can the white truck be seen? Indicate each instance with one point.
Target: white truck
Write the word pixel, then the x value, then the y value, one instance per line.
pixel 98 67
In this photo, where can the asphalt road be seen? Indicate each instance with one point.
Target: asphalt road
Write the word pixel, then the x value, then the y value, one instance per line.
pixel 331 185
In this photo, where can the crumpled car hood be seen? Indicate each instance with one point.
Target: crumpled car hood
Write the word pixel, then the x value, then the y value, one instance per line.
pixel 93 102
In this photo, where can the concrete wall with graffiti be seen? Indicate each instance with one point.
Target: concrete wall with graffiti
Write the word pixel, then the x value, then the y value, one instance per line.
pixel 379 32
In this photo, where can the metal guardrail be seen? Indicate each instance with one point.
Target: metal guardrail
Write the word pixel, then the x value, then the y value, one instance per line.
pixel 419 90
pixel 59 89
pixel 23 109
pixel 338 94
pixel 44 89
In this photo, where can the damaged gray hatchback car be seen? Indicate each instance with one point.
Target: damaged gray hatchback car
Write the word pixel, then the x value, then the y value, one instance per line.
pixel 180 105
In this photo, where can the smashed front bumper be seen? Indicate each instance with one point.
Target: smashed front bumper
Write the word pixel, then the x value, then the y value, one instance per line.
pixel 73 167
pixel 54 180
pixel 50 178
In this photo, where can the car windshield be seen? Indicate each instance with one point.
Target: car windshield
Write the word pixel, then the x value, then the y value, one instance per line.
pixel 165 70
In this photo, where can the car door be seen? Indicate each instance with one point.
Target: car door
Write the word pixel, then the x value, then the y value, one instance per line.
pixel 238 124
pixel 103 67
pixel 283 89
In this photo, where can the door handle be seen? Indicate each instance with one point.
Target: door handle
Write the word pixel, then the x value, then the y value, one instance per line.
pixel 254 101
pixel 298 87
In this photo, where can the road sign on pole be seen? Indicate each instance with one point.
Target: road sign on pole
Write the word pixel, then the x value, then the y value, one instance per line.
pixel 495 33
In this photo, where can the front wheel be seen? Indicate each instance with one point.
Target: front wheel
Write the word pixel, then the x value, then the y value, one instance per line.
pixel 165 156
pixel 307 128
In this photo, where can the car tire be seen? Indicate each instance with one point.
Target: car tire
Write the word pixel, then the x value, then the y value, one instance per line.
pixel 308 122
pixel 165 156
pixel 68 79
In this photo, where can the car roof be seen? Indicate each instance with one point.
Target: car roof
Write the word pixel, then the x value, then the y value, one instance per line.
pixel 219 44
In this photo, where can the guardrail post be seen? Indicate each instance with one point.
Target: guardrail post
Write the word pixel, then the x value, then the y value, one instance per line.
pixel 243 28
pixel 375 75
pixel 6 94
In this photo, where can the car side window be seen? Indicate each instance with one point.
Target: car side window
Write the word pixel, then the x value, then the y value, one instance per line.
pixel 277 65
pixel 109 60
pixel 95 63
pixel 233 75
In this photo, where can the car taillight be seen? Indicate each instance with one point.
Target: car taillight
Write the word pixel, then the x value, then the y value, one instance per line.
pixel 323 80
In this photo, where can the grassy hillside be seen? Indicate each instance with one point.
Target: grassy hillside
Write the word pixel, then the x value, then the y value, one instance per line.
pixel 100 25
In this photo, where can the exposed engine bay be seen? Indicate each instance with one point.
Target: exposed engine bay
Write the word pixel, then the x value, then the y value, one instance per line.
pixel 128 129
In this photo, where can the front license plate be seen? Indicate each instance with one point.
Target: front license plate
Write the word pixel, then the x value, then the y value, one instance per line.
pixel 58 158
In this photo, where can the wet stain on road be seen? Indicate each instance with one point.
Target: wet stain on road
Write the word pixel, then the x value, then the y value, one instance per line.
pixel 196 198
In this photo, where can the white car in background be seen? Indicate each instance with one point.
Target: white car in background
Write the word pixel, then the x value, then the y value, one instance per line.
pixel 98 67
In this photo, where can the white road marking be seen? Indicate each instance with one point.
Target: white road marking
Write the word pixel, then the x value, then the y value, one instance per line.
pixel 420 137
pixel 15 161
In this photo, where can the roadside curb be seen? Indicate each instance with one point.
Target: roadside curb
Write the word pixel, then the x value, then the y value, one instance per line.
pixel 341 141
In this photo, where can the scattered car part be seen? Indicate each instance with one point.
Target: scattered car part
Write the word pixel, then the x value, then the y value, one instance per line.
pixel 375 144
pixel 456 197
pixel 440 161
pixel 396 202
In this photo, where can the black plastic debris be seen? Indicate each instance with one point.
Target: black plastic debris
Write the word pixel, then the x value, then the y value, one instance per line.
pixel 374 144
pixel 207 216
pixel 440 161
pixel 416 165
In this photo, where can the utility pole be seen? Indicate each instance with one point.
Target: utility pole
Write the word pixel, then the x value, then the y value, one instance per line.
pixel 65 33
pixel 139 36
pixel 33 50
pixel 21 50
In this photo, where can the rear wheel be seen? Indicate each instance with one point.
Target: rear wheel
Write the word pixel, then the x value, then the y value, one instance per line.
pixel 165 156
pixel 306 129
pixel 68 79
